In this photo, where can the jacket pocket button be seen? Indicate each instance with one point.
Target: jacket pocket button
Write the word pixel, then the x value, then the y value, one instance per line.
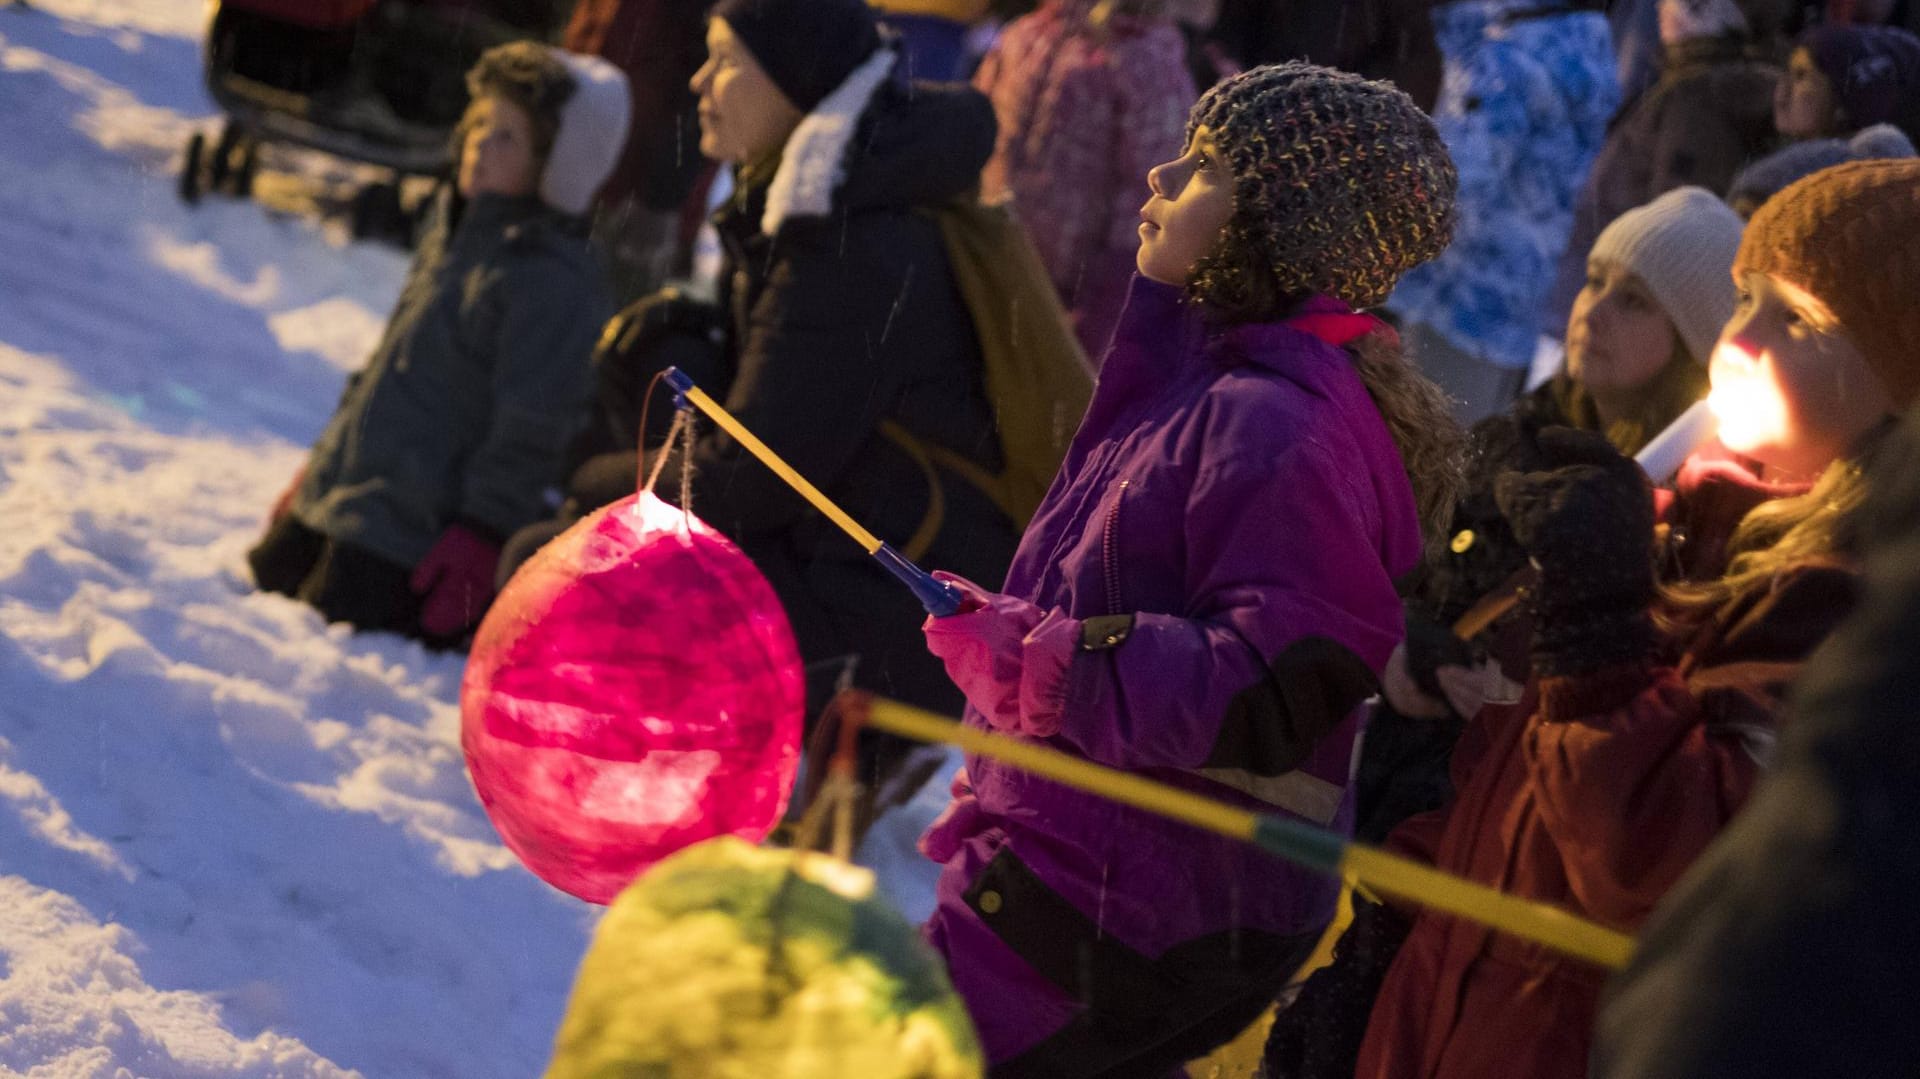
pixel 990 902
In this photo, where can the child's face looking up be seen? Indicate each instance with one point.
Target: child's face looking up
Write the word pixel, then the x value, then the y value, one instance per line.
pixel 1192 201
pixel 1791 389
pixel 497 155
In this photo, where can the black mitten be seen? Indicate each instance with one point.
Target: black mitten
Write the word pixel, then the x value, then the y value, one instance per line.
pixel 1318 1036
pixel 1588 525
pixel 1431 646
pixel 661 330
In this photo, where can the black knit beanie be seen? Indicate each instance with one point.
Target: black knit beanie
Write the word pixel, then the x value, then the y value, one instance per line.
pixel 808 47
pixel 1874 72
pixel 1340 184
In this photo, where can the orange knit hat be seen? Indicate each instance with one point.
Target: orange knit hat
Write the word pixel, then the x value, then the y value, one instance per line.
pixel 1847 235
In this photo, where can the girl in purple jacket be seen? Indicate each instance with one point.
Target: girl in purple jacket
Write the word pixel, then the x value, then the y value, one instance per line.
pixel 1206 595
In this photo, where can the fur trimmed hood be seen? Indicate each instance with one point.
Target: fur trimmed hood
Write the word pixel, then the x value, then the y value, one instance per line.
pixel 593 132
pixel 879 140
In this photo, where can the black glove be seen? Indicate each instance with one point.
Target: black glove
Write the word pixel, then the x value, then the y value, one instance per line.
pixel 1431 646
pixel 661 330
pixel 1588 525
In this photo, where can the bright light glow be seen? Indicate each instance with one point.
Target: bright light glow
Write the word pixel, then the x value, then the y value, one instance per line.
pixel 1663 455
pixel 634 690
pixel 1752 413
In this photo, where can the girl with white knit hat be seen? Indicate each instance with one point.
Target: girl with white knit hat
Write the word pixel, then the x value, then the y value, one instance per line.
pixel 1655 297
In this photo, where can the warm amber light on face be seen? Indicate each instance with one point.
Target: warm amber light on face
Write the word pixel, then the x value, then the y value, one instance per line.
pixel 1750 408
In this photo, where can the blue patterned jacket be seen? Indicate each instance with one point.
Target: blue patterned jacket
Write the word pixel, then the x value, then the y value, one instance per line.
pixel 1524 104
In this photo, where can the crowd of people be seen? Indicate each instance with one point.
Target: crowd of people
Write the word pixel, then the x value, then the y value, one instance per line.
pixel 1252 574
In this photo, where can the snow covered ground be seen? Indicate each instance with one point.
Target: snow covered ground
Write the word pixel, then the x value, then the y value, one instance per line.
pixel 233 841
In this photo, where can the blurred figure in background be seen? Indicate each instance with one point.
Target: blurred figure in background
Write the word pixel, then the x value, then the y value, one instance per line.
pixel 840 319
pixel 1636 41
pixel 1088 95
pixel 1841 79
pixel 1529 88
pixel 1764 178
pixel 641 226
pixel 1381 39
pixel 1709 114
pixel 933 34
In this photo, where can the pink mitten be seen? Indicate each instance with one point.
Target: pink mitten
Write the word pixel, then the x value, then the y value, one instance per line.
pixel 455 580
pixel 955 824
pixel 985 650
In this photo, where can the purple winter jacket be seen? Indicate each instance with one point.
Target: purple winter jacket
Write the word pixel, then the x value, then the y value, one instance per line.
pixel 1227 526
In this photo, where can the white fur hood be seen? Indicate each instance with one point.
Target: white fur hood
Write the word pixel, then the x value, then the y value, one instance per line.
pixel 593 132
pixel 925 144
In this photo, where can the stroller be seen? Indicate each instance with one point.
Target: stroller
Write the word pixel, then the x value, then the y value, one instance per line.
pixel 375 81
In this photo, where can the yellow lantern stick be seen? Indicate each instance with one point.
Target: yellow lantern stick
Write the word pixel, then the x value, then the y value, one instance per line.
pixel 939 598
pixel 1314 848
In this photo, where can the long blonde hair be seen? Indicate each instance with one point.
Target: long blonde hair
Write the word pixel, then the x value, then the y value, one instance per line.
pixel 1776 536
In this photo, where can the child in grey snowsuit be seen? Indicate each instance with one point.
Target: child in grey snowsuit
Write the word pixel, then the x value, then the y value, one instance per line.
pixel 451 435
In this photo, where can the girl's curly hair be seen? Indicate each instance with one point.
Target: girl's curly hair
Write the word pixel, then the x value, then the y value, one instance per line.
pixel 1236 283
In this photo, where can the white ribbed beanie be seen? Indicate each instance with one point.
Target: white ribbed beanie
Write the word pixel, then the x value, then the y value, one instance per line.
pixel 1681 246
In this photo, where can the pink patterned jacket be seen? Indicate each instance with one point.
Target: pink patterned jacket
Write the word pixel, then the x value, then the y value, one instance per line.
pixel 1084 111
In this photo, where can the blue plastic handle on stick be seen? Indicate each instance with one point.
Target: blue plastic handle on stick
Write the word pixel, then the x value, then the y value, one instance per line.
pixel 938 597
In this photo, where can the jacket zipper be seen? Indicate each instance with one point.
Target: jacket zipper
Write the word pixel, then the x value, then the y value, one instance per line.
pixel 1109 540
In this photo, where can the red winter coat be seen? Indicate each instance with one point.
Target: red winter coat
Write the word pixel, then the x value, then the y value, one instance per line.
pixel 1594 795
pixel 659 44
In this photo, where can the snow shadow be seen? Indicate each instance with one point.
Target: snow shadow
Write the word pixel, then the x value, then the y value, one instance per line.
pixel 175 313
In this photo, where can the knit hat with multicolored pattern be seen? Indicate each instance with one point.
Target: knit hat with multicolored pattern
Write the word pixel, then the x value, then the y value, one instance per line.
pixel 1845 234
pixel 1341 184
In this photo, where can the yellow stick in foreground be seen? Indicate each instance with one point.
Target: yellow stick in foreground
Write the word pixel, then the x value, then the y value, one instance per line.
pixel 1315 848
pixel 939 598
pixel 698 398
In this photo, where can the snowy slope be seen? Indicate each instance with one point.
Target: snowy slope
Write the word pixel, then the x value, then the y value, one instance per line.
pixel 233 842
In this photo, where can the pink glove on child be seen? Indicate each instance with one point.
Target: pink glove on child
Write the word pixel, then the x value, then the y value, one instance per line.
pixel 955 825
pixel 455 580
pixel 1008 657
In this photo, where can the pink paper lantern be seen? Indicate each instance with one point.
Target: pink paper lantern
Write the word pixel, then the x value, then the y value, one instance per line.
pixel 634 690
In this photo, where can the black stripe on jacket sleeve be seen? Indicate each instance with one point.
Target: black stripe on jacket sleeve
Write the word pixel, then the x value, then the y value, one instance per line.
pixel 1271 726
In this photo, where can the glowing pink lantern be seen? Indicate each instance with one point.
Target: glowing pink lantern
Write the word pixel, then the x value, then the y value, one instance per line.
pixel 634 690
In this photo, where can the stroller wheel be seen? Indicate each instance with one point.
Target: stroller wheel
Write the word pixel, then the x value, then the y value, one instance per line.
pixel 190 186
pixel 243 172
pixel 220 162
